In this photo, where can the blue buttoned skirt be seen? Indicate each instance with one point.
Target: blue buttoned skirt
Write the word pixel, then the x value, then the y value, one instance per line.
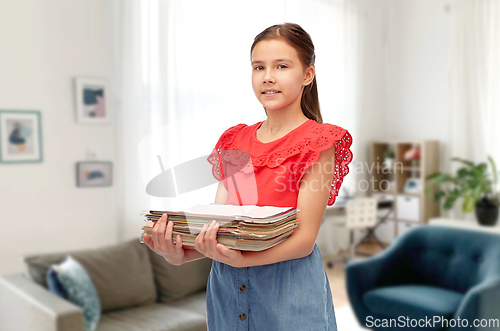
pixel 287 295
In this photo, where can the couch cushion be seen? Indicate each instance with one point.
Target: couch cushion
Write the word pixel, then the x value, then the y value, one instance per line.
pixel 122 274
pixel 196 303
pixel 80 290
pixel 154 317
pixel 414 301
pixel 175 282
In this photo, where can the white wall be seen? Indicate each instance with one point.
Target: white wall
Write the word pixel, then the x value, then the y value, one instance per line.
pixel 405 75
pixel 45 44
pixel 417 69
pixel 372 123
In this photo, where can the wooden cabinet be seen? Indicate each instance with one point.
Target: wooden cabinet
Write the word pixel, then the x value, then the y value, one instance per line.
pixel 403 179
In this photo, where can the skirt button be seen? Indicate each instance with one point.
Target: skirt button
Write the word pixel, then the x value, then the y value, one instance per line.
pixel 242 317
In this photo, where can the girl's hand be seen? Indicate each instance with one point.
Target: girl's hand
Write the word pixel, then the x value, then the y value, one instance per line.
pixel 206 244
pixel 161 241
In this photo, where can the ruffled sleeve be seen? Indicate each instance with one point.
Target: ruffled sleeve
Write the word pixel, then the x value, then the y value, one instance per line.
pixel 218 158
pixel 322 138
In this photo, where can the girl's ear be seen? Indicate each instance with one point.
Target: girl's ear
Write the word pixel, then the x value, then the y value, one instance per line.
pixel 309 76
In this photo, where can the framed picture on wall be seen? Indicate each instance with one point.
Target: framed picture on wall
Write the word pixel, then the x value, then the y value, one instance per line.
pixel 20 136
pixel 94 173
pixel 92 95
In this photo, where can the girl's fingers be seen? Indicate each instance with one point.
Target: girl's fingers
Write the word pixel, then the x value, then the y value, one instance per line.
pixel 210 230
pixel 222 250
pixel 204 237
pixel 199 241
pixel 168 235
pixel 148 241
pixel 161 232
pixel 210 238
pixel 155 231
pixel 178 243
pixel 213 231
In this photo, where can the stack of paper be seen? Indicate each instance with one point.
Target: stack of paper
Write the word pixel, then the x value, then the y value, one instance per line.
pixel 247 228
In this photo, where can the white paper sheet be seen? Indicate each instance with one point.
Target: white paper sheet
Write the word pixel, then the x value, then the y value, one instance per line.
pixel 234 210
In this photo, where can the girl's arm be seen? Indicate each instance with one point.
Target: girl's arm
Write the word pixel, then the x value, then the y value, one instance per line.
pixel 221 197
pixel 313 197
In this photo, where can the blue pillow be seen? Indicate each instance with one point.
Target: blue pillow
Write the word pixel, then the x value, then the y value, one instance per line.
pixel 55 285
pixel 70 278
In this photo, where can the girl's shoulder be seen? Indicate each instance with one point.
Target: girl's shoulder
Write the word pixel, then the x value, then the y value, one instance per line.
pixel 319 134
pixel 228 136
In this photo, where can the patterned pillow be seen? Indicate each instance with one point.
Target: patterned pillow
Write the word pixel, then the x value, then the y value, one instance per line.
pixel 54 285
pixel 76 284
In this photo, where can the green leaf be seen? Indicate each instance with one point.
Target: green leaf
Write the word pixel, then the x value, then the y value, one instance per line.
pixel 469 163
pixel 440 178
pixel 438 195
pixel 463 172
pixel 493 169
pixel 434 175
pixel 468 205
pixel 449 201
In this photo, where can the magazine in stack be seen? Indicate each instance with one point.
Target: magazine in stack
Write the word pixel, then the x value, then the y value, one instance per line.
pixel 246 228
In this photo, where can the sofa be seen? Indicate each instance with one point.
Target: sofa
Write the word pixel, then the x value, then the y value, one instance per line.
pixel 433 273
pixel 137 288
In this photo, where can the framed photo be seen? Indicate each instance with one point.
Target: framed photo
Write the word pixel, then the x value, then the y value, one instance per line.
pixel 20 136
pixel 92 95
pixel 94 173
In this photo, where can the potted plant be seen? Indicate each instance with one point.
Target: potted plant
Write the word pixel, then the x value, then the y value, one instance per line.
pixel 473 183
pixel 388 156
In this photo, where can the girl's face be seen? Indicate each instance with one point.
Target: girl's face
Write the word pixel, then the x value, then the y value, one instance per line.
pixel 278 75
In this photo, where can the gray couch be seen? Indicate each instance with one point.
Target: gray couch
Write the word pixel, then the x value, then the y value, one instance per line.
pixel 138 290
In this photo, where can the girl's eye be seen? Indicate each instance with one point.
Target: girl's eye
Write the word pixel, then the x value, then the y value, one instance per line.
pixel 258 68
pixel 282 65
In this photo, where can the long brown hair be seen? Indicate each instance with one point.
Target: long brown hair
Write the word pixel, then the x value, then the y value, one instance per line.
pixel 300 40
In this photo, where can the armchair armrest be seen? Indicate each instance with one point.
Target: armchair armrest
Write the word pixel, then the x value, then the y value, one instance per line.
pixel 364 275
pixel 482 302
pixel 25 305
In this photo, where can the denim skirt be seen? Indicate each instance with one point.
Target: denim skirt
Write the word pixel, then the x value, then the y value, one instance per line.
pixel 287 295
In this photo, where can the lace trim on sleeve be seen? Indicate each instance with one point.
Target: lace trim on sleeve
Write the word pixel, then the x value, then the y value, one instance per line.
pixel 218 156
pixel 322 138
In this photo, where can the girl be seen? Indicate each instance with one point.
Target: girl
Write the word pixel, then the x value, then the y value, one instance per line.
pixel 298 162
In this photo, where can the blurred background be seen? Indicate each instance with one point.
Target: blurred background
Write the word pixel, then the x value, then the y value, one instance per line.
pixel 131 82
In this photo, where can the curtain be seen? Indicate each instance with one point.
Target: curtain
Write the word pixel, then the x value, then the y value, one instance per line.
pixel 475 84
pixel 183 76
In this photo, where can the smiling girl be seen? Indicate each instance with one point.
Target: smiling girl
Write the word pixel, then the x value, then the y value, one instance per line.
pixel 298 161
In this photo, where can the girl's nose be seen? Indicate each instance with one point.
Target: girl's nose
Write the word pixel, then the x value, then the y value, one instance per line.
pixel 268 80
pixel 268 77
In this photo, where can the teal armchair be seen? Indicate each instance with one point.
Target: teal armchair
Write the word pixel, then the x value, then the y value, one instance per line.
pixel 429 275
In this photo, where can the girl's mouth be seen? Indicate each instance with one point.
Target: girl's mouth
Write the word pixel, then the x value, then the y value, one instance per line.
pixel 270 93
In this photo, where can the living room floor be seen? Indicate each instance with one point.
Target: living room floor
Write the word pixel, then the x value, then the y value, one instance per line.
pixel 346 321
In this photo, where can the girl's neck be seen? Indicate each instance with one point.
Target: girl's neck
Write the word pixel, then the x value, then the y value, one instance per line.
pixel 282 121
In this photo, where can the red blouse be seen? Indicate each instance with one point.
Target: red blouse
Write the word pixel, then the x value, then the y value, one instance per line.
pixel 269 174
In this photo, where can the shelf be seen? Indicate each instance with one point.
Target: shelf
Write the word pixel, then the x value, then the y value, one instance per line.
pixel 410 194
pixel 419 207
pixel 392 192
pixel 409 168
